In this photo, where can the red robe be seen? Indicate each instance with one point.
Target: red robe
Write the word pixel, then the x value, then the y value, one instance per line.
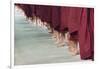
pixel 26 9
pixel 78 21
pixel 86 34
pixel 32 8
pixel 80 24
pixel 46 15
pixel 64 19
pixel 74 19
pixel 56 18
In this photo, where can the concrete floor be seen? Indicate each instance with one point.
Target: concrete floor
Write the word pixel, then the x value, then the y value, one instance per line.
pixel 34 45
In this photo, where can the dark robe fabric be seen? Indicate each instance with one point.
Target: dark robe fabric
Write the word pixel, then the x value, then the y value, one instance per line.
pixel 79 22
pixel 74 19
pixel 56 19
pixel 86 34
pixel 64 19
pixel 33 12
pixel 44 12
pixel 47 14
pixel 70 20
pixel 27 9
pixel 40 11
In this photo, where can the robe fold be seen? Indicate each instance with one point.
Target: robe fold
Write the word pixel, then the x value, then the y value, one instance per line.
pixel 38 10
pixel 26 9
pixel 33 12
pixel 47 14
pixel 79 22
pixel 86 35
pixel 74 19
pixel 64 19
pixel 56 19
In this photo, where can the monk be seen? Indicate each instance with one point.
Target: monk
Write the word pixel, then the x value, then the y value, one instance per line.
pixel 86 34
pixel 71 25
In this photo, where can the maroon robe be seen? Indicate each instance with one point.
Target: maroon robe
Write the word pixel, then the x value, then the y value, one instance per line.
pixel 40 11
pixel 64 19
pixel 74 19
pixel 47 14
pixel 26 8
pixel 33 12
pixel 56 19
pixel 86 34
pixel 78 21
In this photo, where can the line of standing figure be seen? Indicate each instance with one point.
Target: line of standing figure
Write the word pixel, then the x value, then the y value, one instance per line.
pixel 73 26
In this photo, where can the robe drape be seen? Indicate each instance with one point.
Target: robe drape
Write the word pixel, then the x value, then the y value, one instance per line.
pixel 86 34
pixel 33 11
pixel 56 19
pixel 26 8
pixel 64 19
pixel 46 14
pixel 74 19
pixel 79 22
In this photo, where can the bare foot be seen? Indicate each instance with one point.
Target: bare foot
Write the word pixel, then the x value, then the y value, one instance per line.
pixel 72 47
